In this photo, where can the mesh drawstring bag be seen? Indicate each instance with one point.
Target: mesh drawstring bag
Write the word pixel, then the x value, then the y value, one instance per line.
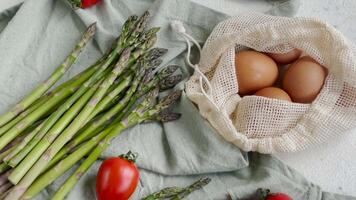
pixel 269 125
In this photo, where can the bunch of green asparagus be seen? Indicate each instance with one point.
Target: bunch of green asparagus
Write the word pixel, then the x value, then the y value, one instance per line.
pixel 47 133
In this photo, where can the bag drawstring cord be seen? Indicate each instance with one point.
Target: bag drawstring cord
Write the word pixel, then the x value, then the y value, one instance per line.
pixel 178 27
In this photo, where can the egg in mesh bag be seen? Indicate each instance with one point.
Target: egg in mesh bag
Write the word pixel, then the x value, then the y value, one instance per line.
pixel 267 125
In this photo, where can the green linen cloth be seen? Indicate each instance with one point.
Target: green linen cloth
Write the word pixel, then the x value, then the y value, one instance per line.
pixel 37 36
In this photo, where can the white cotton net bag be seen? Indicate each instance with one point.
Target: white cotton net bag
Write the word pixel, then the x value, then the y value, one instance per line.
pixel 269 125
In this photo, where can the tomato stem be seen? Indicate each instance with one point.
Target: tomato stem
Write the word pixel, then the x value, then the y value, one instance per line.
pixel 130 156
pixel 75 3
pixel 263 193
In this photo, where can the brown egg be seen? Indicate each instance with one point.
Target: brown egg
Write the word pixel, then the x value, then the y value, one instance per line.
pixel 286 58
pixel 254 71
pixel 304 79
pixel 274 93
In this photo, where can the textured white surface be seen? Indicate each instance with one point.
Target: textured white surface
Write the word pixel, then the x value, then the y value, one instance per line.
pixel 332 166
pixel 4 4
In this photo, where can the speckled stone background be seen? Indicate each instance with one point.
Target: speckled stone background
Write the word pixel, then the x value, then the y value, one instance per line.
pixel 333 165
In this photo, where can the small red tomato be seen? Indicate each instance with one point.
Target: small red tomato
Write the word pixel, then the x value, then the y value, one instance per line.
pixel 278 196
pixel 264 194
pixel 88 3
pixel 117 178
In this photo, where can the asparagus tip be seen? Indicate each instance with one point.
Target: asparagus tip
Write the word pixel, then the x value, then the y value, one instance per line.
pixel 153 31
pixel 156 62
pixel 168 71
pixel 170 99
pixel 170 82
pixel 205 181
pixel 92 28
pixel 168 116
pixel 155 53
pixel 132 18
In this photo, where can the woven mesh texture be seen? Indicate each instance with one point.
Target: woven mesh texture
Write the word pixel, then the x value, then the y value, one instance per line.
pixel 268 125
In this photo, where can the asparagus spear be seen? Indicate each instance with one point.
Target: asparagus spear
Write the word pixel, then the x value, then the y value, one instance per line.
pixel 58 73
pixel 14 143
pixel 111 95
pixel 165 193
pixel 22 145
pixel 195 186
pixel 6 152
pixel 143 112
pixel 177 193
pixel 3 177
pixel 5 187
pixel 4 167
pixel 18 118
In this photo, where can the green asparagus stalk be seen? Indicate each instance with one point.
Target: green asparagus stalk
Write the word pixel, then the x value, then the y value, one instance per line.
pixel 142 113
pixel 4 167
pixel 56 75
pixel 3 195
pixel 13 144
pixel 188 190
pixel 6 152
pixel 40 145
pixel 108 98
pixel 164 193
pixel 65 164
pixel 3 177
pixel 22 145
pixel 5 187
pixel 18 118
pixel 177 193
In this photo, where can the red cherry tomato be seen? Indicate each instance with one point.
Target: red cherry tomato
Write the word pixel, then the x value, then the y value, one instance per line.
pixel 88 3
pixel 265 194
pixel 117 178
pixel 278 196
